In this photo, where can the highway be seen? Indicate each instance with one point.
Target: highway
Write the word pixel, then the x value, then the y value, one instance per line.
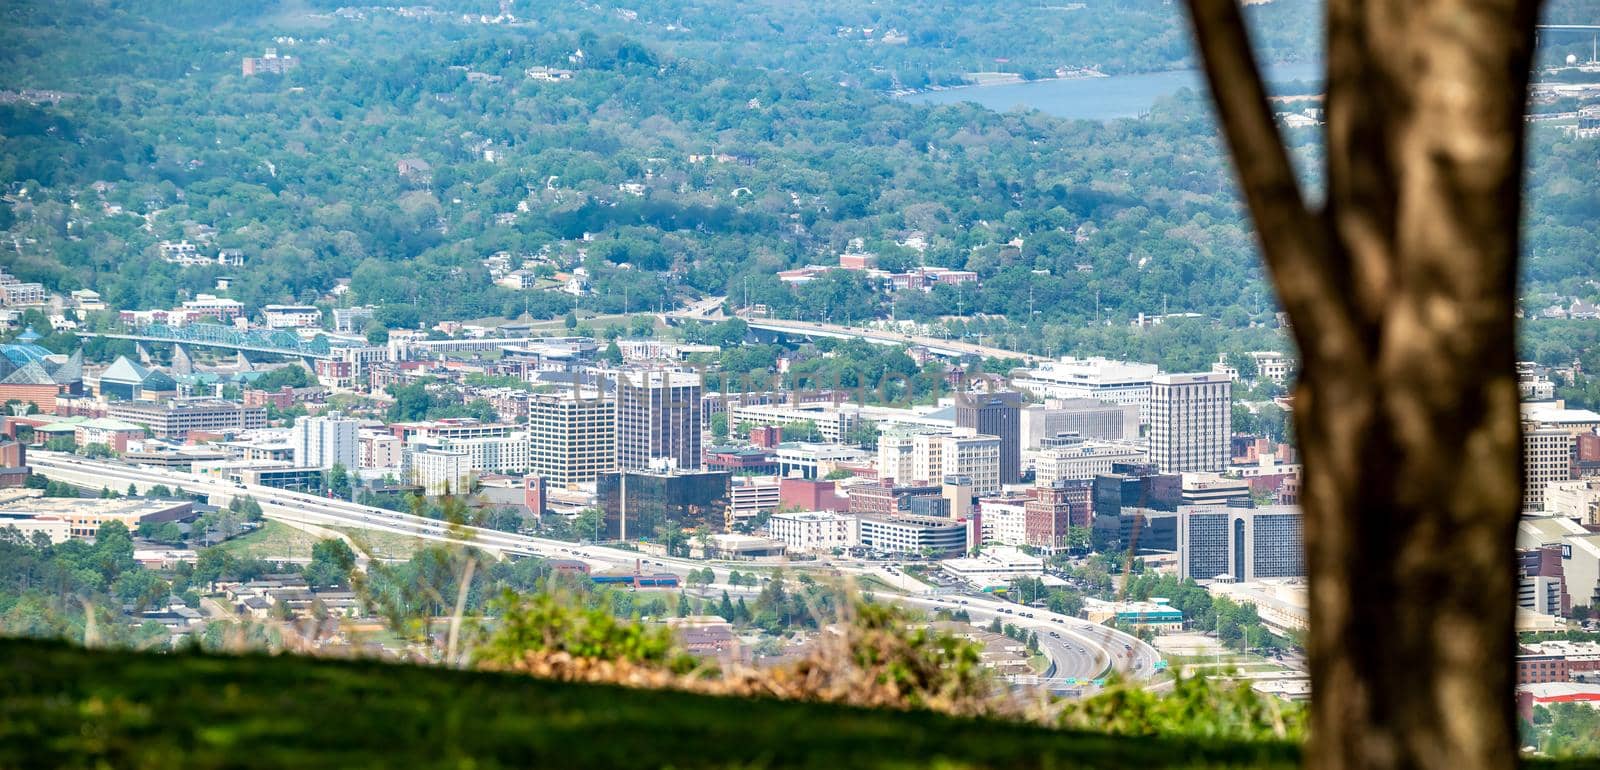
pixel 1080 649
pixel 710 309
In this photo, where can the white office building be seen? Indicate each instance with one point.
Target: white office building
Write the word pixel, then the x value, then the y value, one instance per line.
pixel 1190 421
pixel 1119 382
pixel 814 531
pixel 1086 417
pixel 1069 457
pixel 326 441
pixel 995 566
pixel 1004 520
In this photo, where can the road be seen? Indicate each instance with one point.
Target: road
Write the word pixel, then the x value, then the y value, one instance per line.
pixel 710 309
pixel 1081 649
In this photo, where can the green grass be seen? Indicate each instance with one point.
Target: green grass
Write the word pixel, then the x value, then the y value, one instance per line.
pixel 273 540
pixel 65 707
pixel 384 545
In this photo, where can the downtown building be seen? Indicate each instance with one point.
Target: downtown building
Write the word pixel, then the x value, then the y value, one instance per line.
pixel 1068 457
pixel 998 415
pixel 1547 455
pixel 1086 417
pixel 1240 544
pixel 175 419
pixel 907 455
pixel 1191 422
pixel 572 437
pixel 1119 382
pixel 326 441
pixel 658 419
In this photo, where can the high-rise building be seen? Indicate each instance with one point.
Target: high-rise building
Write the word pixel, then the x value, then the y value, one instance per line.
pixel 1190 421
pixel 999 415
pixel 926 455
pixel 572 437
pixel 326 441
pixel 1240 544
pixel 1546 457
pixel 658 419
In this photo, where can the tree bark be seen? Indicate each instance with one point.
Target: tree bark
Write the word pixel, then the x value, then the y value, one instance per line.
pixel 1401 290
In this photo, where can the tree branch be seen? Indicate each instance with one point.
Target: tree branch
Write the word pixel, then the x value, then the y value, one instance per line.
pixel 1293 239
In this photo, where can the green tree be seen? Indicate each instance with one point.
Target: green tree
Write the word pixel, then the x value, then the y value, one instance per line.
pixel 338 481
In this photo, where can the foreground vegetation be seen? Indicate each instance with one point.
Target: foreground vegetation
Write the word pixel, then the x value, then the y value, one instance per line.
pixel 68 707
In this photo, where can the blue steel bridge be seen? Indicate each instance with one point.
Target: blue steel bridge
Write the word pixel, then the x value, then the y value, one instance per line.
pixel 273 341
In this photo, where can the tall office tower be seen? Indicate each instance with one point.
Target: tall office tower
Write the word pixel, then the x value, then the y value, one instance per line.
pixel 326 441
pixel 658 420
pixel 996 414
pixel 1546 457
pixel 1240 543
pixel 1190 421
pixel 572 438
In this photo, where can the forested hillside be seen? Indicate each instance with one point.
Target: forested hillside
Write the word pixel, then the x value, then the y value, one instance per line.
pixel 409 145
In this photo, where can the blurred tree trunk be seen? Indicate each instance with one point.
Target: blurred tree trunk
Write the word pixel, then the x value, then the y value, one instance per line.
pixel 1401 290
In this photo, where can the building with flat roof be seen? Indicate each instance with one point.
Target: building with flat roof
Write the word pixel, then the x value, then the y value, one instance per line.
pixel 814 531
pixel 1283 604
pixel 1156 614
pixel 1577 499
pixel 913 534
pixel 441 471
pixel 176 419
pixel 809 460
pixel 325 441
pixel 1547 454
pixel 1214 489
pixel 1101 379
pixel 833 423
pixel 920 455
pixel 999 415
pixel 84 515
pixel 995 565
pixel 1240 544
pixel 1068 457
pixel 658 419
pixel 750 496
pixel 636 504
pixel 1086 417
pixel 1191 420
pixel 291 316
pixel 572 437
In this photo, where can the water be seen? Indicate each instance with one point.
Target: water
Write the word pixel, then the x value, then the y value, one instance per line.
pixel 1118 96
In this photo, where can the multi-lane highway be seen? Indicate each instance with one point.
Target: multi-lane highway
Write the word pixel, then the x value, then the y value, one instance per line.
pixel 1077 648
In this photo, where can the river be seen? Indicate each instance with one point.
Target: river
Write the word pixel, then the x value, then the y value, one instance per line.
pixel 1118 96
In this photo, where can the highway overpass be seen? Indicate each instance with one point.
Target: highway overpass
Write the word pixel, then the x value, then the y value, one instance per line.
pixel 1079 649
